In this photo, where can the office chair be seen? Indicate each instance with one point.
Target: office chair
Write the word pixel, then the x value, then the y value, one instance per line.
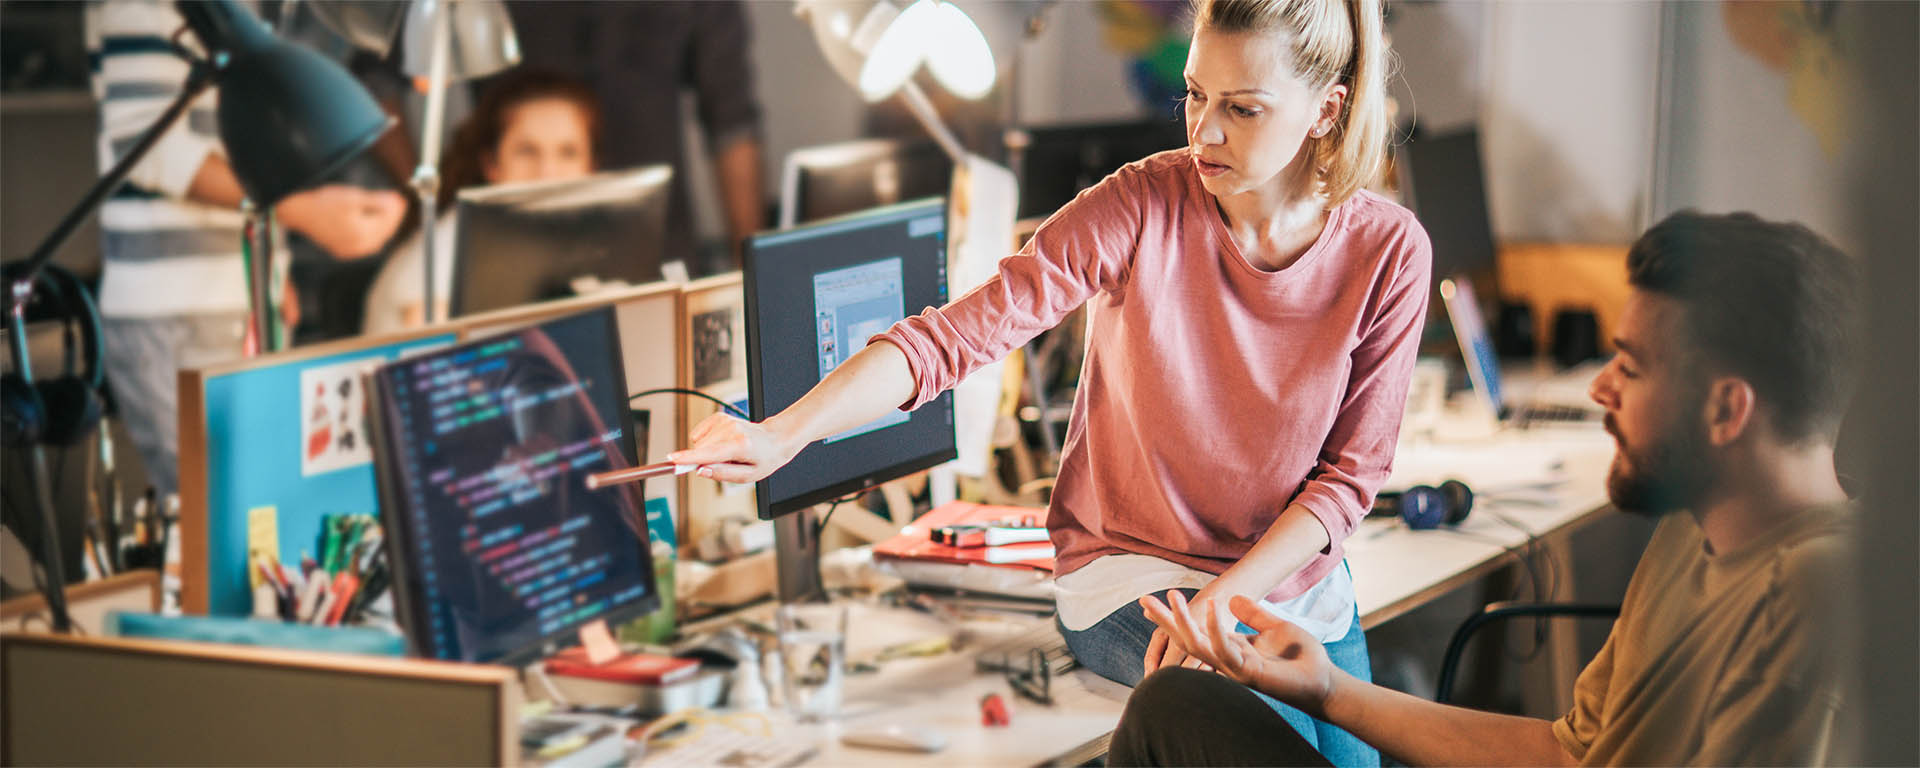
pixel 1502 611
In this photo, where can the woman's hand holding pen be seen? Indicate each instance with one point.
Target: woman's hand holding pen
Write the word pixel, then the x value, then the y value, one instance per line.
pixel 734 450
pixel 867 386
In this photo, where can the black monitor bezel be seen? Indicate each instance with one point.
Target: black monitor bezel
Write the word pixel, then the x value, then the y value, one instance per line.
pixel 768 509
pixel 410 603
pixel 500 195
pixel 813 165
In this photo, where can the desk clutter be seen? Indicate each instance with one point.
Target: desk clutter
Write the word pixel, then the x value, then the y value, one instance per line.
pixel 350 574
pixel 1014 660
pixel 121 536
pixel 997 552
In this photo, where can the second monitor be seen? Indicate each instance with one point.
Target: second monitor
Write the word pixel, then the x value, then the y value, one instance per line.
pixel 814 296
pixel 522 243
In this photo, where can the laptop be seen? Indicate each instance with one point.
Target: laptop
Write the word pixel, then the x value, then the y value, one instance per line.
pixel 1483 366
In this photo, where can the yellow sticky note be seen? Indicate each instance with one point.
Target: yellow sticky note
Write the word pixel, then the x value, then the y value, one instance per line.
pixel 263 538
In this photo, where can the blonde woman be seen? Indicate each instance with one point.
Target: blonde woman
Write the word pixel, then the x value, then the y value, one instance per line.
pixel 1253 318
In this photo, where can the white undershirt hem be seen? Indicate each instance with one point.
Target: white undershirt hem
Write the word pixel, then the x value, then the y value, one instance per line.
pixel 1116 582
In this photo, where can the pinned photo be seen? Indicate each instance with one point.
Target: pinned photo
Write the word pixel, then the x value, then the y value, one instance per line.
pixel 333 416
pixel 712 347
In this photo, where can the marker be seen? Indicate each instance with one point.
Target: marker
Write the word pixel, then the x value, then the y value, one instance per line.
pixel 600 480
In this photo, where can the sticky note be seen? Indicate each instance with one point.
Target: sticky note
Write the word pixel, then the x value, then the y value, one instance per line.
pixel 263 538
pixel 598 641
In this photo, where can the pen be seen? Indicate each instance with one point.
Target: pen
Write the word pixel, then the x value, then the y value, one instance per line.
pixel 599 480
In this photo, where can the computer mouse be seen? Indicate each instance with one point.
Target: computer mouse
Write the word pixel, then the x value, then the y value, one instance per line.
pixel 905 738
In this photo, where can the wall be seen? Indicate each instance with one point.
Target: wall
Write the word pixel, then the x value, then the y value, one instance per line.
pixel 1568 118
pixel 1736 140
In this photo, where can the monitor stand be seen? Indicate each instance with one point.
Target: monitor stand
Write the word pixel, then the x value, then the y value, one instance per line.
pixel 796 545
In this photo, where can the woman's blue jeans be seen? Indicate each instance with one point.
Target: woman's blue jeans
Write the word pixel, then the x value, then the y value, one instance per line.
pixel 1114 649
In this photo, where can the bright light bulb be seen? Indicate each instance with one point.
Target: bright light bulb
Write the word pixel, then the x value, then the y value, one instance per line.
pixel 899 50
pixel 958 53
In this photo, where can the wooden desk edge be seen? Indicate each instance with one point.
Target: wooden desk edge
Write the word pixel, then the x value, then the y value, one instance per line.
pixel 34 603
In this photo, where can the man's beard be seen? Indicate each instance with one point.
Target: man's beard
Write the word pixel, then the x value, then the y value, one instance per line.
pixel 1661 476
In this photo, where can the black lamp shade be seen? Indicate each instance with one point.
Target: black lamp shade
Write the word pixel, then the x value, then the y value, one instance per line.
pixel 288 116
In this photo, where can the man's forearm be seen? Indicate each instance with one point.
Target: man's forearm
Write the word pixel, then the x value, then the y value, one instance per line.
pixel 1420 732
pixel 214 184
pixel 737 164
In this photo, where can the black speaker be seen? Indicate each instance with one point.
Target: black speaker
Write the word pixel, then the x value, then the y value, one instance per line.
pixel 1576 337
pixel 1513 332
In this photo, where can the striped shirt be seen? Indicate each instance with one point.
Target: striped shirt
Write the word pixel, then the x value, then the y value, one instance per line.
pixel 163 254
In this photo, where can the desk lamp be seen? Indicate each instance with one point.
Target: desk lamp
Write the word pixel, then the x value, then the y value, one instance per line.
pixel 448 40
pixel 288 117
pixel 445 41
pixel 876 47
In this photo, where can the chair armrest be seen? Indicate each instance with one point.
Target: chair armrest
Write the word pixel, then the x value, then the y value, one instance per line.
pixel 1502 611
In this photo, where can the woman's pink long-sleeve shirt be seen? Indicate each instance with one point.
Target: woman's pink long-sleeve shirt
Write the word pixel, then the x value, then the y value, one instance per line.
pixel 1214 394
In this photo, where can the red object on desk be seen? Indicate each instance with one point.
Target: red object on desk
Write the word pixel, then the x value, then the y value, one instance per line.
pixel 633 668
pixel 993 711
pixel 913 543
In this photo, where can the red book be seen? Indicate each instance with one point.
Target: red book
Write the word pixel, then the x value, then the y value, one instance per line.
pixel 633 668
pixel 913 542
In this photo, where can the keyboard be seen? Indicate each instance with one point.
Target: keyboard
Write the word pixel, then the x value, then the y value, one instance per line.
pixel 720 744
pixel 1553 412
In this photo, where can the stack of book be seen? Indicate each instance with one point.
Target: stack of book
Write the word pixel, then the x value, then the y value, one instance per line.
pixel 974 548
pixel 628 680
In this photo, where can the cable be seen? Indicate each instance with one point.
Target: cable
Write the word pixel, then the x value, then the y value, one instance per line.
pixel 821 527
pixel 1541 580
pixel 731 408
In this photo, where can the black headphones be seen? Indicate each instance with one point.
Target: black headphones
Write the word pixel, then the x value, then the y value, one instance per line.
pixel 64 410
pixel 1424 506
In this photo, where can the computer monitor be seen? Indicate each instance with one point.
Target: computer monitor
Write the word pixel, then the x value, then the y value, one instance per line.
pixel 815 294
pixel 1445 185
pixel 481 453
pixel 521 243
pixel 1059 161
pixel 837 179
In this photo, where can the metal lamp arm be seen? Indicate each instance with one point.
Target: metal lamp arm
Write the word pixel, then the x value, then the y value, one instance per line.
pixel 199 77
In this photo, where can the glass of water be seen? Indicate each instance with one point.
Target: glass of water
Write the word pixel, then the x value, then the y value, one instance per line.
pixel 813 659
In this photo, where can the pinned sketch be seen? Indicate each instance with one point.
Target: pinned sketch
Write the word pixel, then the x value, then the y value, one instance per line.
pixel 333 416
pixel 712 347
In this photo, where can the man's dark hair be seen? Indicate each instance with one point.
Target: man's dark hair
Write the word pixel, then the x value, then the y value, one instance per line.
pixel 1769 302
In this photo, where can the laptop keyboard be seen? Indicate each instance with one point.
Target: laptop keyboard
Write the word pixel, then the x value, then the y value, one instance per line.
pixel 1548 412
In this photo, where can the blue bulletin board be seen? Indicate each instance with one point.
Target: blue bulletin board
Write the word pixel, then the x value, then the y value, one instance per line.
pixel 292 438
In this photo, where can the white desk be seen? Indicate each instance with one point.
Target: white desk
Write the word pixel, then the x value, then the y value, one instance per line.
pixel 1395 570
pixel 944 692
